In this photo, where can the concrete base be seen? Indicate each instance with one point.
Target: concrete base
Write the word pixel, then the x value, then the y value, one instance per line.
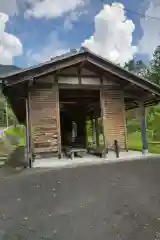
pixel 88 160
pixel 145 151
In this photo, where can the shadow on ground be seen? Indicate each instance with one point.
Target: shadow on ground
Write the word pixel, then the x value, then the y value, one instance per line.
pixel 110 201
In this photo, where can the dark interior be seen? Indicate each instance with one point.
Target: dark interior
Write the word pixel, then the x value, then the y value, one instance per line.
pixel 76 107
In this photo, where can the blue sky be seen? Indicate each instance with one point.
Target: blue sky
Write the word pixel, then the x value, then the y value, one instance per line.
pixel 42 34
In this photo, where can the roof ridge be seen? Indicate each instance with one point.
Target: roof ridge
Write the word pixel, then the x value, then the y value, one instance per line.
pixel 81 50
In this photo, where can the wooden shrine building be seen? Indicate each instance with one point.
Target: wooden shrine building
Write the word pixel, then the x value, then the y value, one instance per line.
pixel 71 89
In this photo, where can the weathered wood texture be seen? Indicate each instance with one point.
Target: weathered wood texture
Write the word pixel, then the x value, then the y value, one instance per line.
pixel 112 102
pixel 45 120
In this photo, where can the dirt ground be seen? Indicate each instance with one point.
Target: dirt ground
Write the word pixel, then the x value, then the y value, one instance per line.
pixel 110 201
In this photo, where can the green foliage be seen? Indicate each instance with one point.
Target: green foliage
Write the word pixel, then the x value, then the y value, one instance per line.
pixel 135 143
pixel 19 132
pixel 130 66
pixel 136 67
pixel 153 73
pixel 133 125
pixel 6 115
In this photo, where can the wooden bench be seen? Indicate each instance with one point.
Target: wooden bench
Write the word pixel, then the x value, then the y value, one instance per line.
pixel 100 151
pixel 71 152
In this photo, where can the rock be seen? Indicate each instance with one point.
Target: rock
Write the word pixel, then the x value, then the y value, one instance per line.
pixel 17 158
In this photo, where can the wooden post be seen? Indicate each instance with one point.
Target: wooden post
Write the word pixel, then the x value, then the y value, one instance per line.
pixel 28 142
pixel 143 126
pixel 86 131
pixel 59 126
pixel 97 131
pixel 116 148
pixel 6 108
pixel 125 126
pixel 28 125
pixel 103 121
pixel 55 84
pixel 93 131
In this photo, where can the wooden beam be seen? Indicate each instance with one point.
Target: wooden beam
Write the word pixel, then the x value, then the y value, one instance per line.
pixel 122 74
pixel 75 75
pixel 45 70
pixel 42 85
pixel 79 86
pixel 132 96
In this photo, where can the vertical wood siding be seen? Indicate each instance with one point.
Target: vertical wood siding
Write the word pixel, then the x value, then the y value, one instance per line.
pixel 113 116
pixel 45 120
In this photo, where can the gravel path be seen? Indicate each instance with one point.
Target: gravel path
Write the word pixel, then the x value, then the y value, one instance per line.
pixel 111 201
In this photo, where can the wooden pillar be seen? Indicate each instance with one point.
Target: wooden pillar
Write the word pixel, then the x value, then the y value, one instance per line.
pixel 81 131
pixel 28 132
pixel 97 131
pixel 143 126
pixel 93 131
pixel 103 120
pixel 86 131
pixel 58 125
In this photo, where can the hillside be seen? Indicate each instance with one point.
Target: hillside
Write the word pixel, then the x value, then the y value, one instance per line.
pixel 5 69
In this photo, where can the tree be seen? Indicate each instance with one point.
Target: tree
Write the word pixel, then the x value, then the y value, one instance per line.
pixel 153 121
pixel 152 72
pixel 154 68
pixel 3 115
pixel 130 66
pixel 136 67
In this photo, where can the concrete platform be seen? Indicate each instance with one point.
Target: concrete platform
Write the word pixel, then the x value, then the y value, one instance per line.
pixel 88 160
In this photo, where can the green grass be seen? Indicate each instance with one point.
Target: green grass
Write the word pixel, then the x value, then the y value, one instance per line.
pixel 134 140
pixel 18 132
pixel 134 143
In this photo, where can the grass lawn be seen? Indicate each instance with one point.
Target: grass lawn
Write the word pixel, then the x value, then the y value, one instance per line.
pixel 134 143
pixel 134 140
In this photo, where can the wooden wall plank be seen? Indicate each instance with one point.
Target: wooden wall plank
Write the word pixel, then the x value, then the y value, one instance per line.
pixel 113 115
pixel 45 119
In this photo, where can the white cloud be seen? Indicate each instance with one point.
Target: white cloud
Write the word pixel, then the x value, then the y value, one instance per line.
pixel 53 47
pixel 112 37
pixel 70 19
pixel 10 46
pixel 73 17
pixel 10 7
pixel 52 8
pixel 151 29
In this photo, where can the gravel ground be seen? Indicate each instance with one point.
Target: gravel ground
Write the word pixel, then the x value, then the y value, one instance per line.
pixel 109 201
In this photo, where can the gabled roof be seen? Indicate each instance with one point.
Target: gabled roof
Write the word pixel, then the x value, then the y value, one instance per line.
pixel 83 54
pixel 15 84
pixel 51 61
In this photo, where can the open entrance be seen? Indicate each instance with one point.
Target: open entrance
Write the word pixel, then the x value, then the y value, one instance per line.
pixel 80 118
